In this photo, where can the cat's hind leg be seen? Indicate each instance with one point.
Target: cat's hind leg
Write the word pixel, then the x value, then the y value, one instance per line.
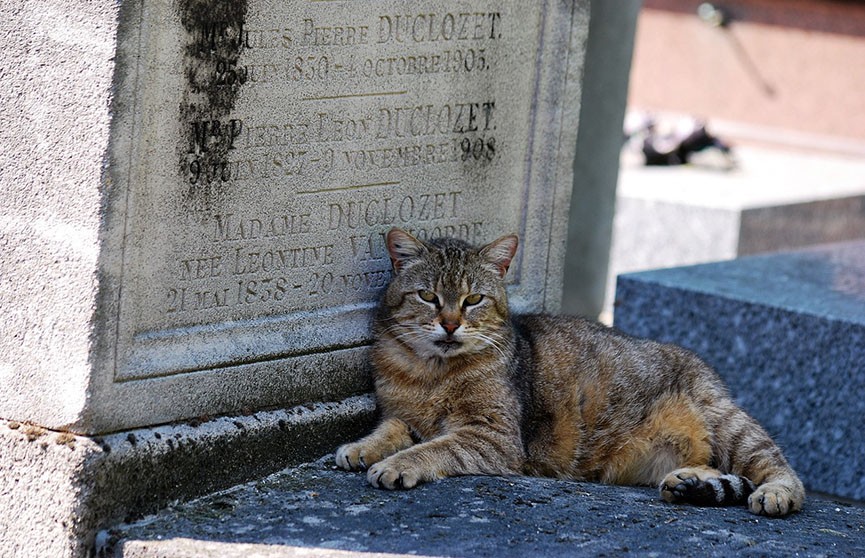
pixel 756 472
pixel 749 451
pixel 388 438
pixel 674 436
pixel 705 486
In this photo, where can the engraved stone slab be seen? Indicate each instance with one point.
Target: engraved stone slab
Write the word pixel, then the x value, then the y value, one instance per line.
pixel 259 152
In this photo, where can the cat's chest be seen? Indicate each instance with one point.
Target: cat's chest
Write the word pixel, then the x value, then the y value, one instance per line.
pixel 426 411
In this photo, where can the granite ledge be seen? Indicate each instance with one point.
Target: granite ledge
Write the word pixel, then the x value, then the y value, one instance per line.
pixel 826 281
pixel 60 488
pixel 314 510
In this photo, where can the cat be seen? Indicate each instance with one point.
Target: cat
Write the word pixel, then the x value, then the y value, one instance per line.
pixel 466 388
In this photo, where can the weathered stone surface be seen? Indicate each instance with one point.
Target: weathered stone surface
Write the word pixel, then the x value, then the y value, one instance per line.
pixel 59 489
pixel 58 66
pixel 314 510
pixel 786 331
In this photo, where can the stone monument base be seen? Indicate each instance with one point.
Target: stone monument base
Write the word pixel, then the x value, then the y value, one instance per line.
pixel 60 489
pixel 786 331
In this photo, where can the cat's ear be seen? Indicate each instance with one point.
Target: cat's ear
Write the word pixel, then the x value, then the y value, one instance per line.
pixel 499 253
pixel 403 248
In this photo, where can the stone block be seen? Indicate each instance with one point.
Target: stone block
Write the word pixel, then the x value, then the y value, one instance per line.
pixel 195 192
pixel 59 488
pixel 773 200
pixel 599 144
pixel 786 331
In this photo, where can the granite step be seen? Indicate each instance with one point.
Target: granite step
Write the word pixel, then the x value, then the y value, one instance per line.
pixel 316 510
pixel 786 331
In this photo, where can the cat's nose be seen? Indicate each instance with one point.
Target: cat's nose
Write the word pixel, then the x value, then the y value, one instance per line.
pixel 450 327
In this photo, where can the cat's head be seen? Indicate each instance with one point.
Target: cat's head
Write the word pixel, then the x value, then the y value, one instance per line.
pixel 446 297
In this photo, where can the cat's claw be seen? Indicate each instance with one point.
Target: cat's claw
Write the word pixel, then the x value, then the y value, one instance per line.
pixel 381 475
pixel 681 490
pixel 351 458
pixel 692 484
pixel 772 501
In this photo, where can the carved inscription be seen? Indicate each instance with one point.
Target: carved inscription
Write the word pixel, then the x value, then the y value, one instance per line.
pixel 308 129
pixel 264 260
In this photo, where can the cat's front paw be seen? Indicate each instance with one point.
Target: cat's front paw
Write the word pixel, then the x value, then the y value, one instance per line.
pixel 393 474
pixel 356 457
pixel 773 499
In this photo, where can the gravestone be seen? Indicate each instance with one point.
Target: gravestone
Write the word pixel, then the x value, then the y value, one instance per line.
pixel 257 154
pixel 194 206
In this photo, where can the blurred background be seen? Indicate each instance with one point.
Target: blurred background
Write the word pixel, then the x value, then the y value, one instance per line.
pixel 744 133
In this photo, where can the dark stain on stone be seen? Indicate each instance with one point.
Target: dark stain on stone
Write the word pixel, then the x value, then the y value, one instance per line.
pixel 102 444
pixel 195 422
pixel 215 40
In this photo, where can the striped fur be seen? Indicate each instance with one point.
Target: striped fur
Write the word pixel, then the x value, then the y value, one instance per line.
pixel 465 387
pixel 722 490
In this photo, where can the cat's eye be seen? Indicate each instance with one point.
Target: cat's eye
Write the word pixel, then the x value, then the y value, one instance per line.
pixel 428 296
pixel 472 299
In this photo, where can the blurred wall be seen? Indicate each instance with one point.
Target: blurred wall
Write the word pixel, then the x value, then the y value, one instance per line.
pixel 787 64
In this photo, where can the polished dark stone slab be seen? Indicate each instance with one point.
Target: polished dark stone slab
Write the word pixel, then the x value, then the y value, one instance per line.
pixel 787 333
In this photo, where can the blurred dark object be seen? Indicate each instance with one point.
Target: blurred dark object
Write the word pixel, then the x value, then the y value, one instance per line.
pixel 664 152
pixel 674 141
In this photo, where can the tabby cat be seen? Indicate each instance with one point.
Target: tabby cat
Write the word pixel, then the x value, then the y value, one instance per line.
pixel 466 388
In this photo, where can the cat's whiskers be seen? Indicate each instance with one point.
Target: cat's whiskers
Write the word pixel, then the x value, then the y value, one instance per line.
pixel 409 335
pixel 494 340
pixel 406 334
pixel 398 326
pixel 422 341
